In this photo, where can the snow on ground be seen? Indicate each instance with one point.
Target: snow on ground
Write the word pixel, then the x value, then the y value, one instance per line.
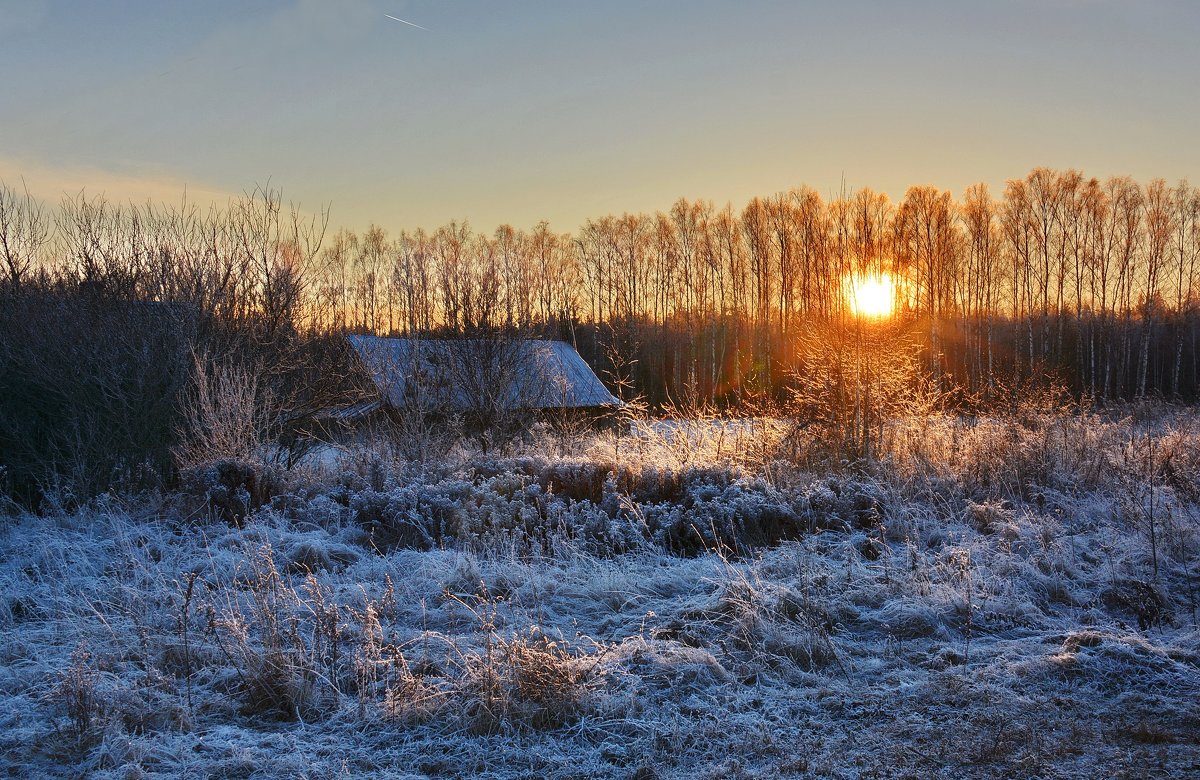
pixel 987 602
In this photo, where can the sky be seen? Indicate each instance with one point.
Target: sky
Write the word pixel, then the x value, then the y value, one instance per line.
pixel 517 111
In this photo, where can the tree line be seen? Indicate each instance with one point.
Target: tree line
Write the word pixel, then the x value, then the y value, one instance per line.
pixel 1091 283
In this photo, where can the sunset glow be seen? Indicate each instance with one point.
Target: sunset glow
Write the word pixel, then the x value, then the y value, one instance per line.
pixel 870 296
pixel 563 111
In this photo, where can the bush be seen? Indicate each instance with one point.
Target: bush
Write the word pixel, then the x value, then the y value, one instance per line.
pixel 232 489
pixel 88 390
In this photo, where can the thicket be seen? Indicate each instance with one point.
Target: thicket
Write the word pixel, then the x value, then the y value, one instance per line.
pixel 134 341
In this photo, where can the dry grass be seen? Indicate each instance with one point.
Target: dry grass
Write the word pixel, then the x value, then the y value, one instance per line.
pixel 946 612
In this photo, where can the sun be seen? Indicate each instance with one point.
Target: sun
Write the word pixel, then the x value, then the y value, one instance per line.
pixel 870 296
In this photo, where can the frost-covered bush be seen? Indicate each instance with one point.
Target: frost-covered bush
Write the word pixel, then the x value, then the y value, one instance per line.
pixel 841 503
pixel 504 512
pixel 740 516
pixel 231 489
pixel 533 507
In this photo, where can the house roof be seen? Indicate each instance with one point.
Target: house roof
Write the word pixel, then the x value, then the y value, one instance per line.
pixel 475 374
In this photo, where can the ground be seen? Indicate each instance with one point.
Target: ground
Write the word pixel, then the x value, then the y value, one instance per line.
pixel 996 598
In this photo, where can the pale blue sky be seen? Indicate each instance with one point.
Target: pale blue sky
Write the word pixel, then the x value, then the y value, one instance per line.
pixel 519 111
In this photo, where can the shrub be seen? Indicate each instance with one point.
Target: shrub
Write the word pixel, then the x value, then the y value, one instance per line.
pixel 227 415
pixel 88 390
pixel 231 489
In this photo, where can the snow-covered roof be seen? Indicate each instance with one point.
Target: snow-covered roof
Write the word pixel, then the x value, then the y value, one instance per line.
pixel 473 374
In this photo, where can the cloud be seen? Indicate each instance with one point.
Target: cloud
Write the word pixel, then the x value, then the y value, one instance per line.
pixel 21 16
pixel 51 183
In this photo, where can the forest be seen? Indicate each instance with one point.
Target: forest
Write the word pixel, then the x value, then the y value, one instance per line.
pixel 1090 283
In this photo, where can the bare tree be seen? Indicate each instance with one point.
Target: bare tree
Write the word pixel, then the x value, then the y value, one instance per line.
pixel 929 243
pixel 24 231
pixel 1185 247
pixel 979 300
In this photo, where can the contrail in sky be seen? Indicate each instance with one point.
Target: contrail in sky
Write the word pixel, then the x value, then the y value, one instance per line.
pixel 410 24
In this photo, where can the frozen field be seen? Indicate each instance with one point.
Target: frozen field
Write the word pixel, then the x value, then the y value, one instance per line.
pixel 1005 598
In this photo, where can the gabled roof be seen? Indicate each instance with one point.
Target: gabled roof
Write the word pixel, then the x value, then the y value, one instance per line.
pixel 475 374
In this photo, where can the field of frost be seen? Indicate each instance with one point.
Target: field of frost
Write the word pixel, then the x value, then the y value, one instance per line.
pixel 1009 597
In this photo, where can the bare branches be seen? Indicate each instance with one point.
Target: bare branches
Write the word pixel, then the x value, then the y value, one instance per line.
pixel 24 231
pixel 227 414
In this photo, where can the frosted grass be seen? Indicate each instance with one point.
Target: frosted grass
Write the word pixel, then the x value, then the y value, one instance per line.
pixel 982 604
